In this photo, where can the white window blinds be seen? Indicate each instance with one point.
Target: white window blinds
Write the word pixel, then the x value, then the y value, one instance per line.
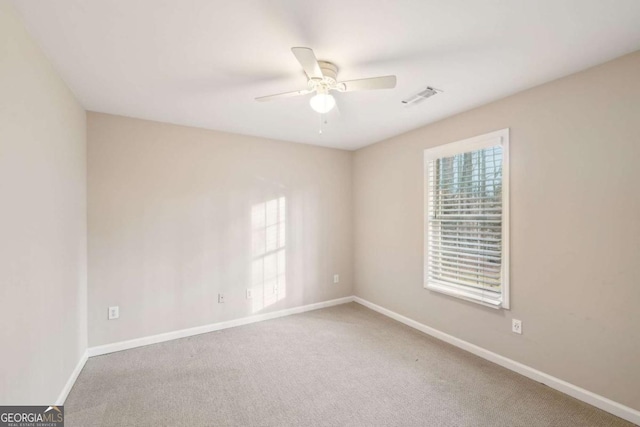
pixel 467 222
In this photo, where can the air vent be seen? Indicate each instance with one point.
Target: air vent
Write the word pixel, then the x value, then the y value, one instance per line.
pixel 421 96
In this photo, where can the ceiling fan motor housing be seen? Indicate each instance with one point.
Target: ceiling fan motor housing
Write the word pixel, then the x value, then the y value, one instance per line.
pixel 329 79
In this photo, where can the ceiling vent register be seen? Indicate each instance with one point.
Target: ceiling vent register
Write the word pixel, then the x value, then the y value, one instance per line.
pixel 421 96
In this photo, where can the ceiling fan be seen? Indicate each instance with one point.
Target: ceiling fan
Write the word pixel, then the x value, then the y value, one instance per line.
pixel 322 78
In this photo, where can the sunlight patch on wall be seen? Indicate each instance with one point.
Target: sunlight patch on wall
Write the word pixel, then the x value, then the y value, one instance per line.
pixel 268 224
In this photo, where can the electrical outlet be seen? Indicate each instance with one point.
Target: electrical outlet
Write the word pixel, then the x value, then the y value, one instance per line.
pixel 516 326
pixel 114 312
pixel 249 294
pixel 220 298
pixel 336 278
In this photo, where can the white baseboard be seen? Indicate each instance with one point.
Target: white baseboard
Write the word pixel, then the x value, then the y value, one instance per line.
pixel 72 379
pixel 579 393
pixel 183 333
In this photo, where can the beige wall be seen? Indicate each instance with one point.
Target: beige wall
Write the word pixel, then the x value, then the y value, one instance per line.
pixel 42 222
pixel 575 229
pixel 170 220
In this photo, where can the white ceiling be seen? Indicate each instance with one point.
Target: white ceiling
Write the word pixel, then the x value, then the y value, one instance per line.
pixel 202 62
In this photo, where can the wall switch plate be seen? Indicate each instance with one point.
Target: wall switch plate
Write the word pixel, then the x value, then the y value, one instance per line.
pixel 249 294
pixel 114 312
pixel 516 326
pixel 220 298
pixel 336 278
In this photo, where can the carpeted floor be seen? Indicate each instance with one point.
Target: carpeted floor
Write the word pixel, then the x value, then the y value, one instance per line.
pixel 344 365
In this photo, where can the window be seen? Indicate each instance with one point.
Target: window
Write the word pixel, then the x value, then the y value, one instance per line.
pixel 467 219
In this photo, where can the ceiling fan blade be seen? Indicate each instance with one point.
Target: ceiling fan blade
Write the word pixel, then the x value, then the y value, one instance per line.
pixel 283 95
pixel 307 59
pixel 384 82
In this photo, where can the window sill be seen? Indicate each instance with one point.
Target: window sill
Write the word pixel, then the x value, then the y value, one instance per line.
pixel 466 295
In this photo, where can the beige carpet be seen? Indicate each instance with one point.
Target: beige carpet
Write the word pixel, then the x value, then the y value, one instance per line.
pixel 344 365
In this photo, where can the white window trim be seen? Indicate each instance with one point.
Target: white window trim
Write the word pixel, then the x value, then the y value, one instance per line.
pixel 472 144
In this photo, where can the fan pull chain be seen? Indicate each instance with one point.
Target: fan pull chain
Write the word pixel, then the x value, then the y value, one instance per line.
pixel 323 120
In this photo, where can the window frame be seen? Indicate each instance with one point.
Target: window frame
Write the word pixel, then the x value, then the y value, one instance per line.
pixel 491 139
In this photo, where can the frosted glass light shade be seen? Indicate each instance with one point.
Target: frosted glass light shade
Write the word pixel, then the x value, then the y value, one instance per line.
pixel 322 103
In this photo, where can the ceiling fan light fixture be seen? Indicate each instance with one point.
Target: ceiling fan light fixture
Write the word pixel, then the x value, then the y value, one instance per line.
pixel 322 103
pixel 322 78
